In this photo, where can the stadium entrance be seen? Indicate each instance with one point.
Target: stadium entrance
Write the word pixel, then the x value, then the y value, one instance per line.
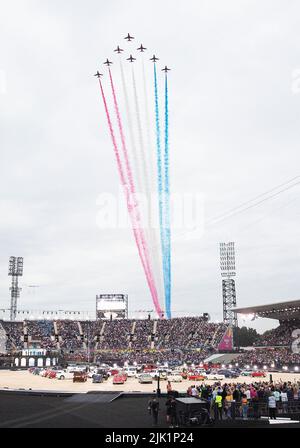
pixel 35 358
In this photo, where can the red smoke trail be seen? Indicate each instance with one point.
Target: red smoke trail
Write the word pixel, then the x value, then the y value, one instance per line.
pixel 138 233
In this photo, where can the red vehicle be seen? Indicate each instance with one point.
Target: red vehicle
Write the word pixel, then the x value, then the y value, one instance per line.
pixel 196 377
pixel 113 372
pixel 119 379
pixel 259 373
pixel 80 377
pixel 51 374
pixel 46 373
pixel 149 368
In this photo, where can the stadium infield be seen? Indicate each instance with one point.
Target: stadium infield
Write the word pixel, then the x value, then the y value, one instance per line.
pixel 15 380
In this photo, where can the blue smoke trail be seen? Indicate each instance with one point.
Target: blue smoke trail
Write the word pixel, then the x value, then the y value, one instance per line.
pixel 167 204
pixel 160 189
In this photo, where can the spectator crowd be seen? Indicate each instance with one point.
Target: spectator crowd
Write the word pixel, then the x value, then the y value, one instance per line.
pixel 178 340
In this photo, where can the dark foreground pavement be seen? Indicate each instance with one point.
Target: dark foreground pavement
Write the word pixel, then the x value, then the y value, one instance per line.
pixel 92 410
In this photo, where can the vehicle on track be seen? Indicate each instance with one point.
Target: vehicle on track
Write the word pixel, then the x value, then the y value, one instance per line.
pixel 64 375
pixel 79 377
pixel 97 378
pixel 228 373
pixel 119 379
pixel 174 378
pixel 145 378
pixel 215 377
pixel 196 377
pixel 246 373
pixel 258 373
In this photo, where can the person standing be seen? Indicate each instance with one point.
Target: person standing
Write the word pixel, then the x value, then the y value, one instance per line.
pixel 284 401
pixel 272 406
pixel 168 410
pixel 244 406
pixel 173 412
pixel 218 406
pixel 153 407
pixel 169 388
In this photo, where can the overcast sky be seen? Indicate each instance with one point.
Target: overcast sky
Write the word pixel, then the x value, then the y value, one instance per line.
pixel 234 134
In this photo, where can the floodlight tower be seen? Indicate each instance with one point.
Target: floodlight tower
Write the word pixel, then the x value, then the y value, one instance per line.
pixel 16 271
pixel 227 263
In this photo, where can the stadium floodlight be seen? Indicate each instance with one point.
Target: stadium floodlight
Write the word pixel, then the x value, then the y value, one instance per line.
pixel 15 270
pixel 227 264
pixel 227 259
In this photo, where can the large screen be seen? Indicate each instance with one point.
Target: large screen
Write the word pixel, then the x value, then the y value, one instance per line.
pixel 112 306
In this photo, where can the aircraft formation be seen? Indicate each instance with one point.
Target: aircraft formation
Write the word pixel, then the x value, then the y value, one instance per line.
pixel 131 59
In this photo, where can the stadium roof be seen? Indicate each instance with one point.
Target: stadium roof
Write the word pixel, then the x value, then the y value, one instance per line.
pixel 280 311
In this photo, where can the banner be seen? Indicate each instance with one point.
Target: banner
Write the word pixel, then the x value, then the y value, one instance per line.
pixel 226 343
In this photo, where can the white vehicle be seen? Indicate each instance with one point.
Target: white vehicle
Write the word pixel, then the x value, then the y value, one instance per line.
pixel 72 369
pixel 174 378
pixel 175 372
pixel 162 374
pixel 130 371
pixel 215 377
pixel 64 375
pixel 91 373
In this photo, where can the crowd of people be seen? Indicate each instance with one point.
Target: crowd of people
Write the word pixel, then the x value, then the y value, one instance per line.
pixel 279 336
pixel 228 401
pixel 68 332
pixel 271 357
pixel 116 334
pixel 189 332
pixel 14 335
pixel 248 400
pixel 41 332
pixel 186 339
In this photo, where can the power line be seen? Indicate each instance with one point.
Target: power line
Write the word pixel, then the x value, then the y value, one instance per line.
pixel 215 221
pixel 230 213
pixel 255 198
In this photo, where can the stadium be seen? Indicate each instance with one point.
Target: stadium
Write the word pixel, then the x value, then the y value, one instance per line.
pixel 183 355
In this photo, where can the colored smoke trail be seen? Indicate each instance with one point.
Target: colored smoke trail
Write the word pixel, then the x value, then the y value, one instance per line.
pixel 150 161
pixel 145 174
pixel 141 239
pixel 167 203
pixel 135 155
pixel 160 188
pixel 149 231
pixel 136 166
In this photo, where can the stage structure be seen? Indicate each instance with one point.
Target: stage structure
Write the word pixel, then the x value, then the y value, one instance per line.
pixel 227 263
pixel 15 271
pixel 112 306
